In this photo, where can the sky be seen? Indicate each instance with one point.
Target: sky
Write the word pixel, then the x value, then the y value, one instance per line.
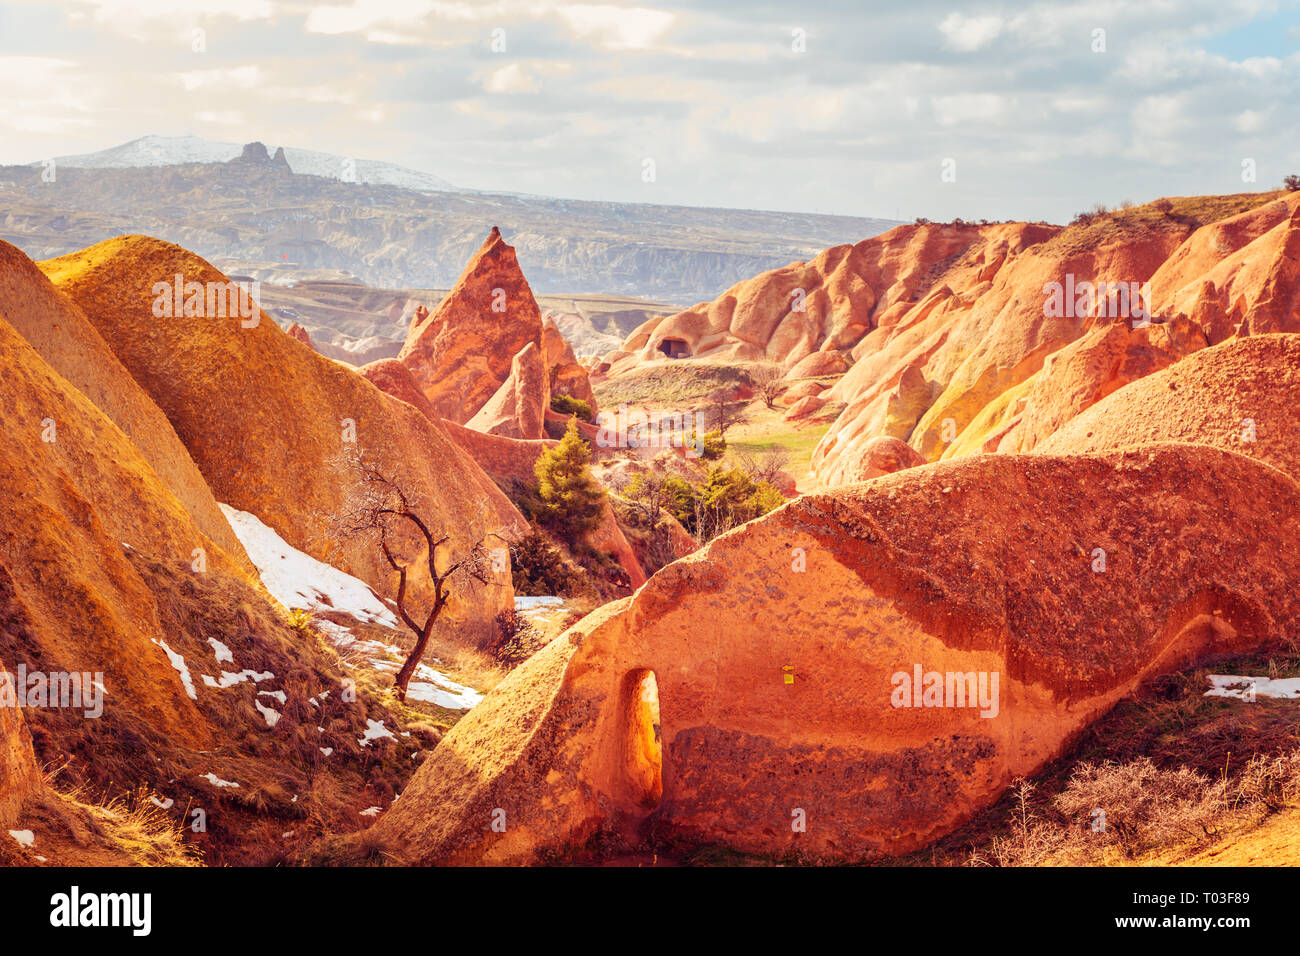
pixel 896 110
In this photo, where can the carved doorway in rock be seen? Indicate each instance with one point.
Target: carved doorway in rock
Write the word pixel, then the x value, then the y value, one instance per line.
pixel 642 749
pixel 675 348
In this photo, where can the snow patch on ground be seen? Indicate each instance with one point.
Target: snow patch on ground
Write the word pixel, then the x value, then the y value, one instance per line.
pixel 298 580
pixel 1232 685
pixel 433 687
pixel 375 730
pixel 221 651
pixel 371 811
pixel 178 662
pixel 216 781
pixel 230 680
pixel 24 837
pixel 270 713
pixel 528 603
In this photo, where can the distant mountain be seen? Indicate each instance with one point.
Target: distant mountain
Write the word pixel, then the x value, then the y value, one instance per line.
pixel 273 221
pixel 179 150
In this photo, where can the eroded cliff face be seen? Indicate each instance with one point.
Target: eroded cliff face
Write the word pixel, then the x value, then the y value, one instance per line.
pixel 984 566
pixel 982 362
pixel 808 316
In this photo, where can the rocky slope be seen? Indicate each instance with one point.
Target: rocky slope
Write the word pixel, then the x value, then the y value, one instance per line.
pixel 981 363
pixel 201 693
pixel 264 417
pixel 66 339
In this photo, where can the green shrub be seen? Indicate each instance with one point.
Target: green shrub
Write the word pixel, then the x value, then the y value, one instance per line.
pixel 539 569
pixel 726 498
pixel 568 405
pixel 713 446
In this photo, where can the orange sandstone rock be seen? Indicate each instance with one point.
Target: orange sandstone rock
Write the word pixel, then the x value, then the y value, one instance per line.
pixel 462 353
pixel 782 719
pixel 265 419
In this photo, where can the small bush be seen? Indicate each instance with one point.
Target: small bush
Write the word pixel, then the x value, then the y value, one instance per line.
pixel 1089 216
pixel 1143 806
pixel 539 569
pixel 568 405
pixel 714 446
pixel 726 498
pixel 301 620
pixel 1291 183
pixel 516 640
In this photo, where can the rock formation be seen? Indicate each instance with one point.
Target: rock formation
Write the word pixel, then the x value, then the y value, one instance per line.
pixel 979 359
pixel 1239 396
pixel 105 575
pixel 63 336
pixel 808 315
pixel 19 776
pixel 781 719
pixel 264 418
pixel 462 353
pixel 518 408
pixel 296 331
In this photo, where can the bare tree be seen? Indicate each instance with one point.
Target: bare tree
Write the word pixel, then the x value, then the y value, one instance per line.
pixel 725 410
pixel 768 380
pixel 766 465
pixel 379 509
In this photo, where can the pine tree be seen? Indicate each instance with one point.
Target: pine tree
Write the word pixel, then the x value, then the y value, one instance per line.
pixel 569 494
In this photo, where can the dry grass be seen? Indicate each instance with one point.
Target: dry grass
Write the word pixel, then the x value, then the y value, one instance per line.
pixel 1100 226
pixel 1168 774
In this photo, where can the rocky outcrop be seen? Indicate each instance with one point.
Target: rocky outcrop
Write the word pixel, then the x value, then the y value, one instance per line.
pixel 256 154
pixel 1005 344
pixel 1239 396
pixel 519 407
pixel 566 374
pixel 809 739
pixel 462 352
pixel 807 314
pixel 1078 376
pixel 884 455
pixel 1237 275
pixel 808 405
pixel 296 331
pixel 65 338
pixel 266 420
pixel 106 576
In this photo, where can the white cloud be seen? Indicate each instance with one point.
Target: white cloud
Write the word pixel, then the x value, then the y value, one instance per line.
pixel 360 17
pixel 511 79
pixel 238 78
pixel 1250 121
pixel 616 28
pixel 968 107
pixel 967 34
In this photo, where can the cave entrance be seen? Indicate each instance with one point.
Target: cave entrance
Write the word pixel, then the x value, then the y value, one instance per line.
pixel 675 348
pixel 641 732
